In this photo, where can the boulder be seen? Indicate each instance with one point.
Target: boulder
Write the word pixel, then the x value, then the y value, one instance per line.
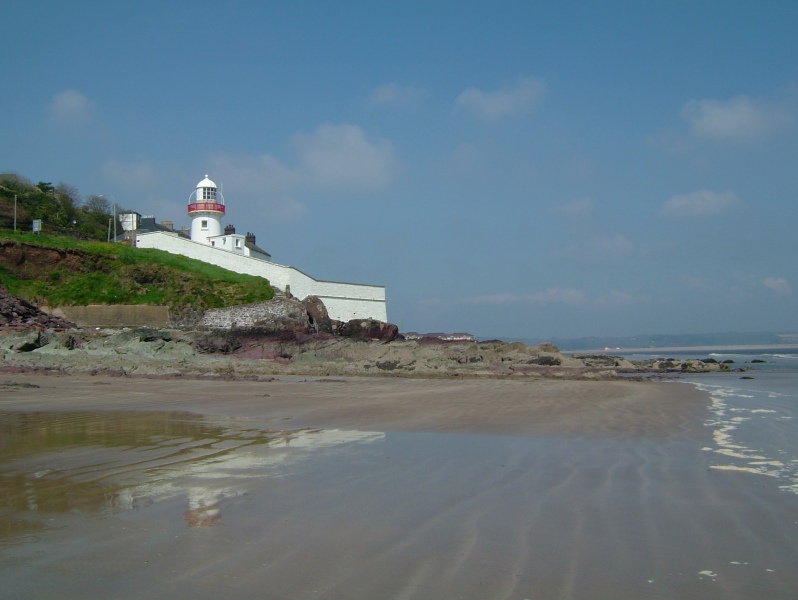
pixel 369 329
pixel 318 317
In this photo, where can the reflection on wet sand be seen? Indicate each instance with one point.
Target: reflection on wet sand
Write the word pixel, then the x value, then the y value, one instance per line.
pixel 49 463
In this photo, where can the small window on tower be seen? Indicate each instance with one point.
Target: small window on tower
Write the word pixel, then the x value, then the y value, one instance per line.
pixel 208 194
pixel 204 223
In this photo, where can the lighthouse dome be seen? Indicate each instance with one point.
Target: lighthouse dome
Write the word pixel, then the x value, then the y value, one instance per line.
pixel 206 183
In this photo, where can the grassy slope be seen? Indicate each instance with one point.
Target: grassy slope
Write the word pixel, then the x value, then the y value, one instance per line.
pixel 62 271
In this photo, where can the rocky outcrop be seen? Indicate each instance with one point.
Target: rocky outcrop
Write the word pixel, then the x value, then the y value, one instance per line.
pixel 672 365
pixel 287 337
pixel 287 314
pixel 369 329
pixel 19 314
pixel 318 318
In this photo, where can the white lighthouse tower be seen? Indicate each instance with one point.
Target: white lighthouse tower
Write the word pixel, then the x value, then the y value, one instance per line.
pixel 206 212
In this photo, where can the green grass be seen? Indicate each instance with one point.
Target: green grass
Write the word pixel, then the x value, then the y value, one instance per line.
pixel 62 271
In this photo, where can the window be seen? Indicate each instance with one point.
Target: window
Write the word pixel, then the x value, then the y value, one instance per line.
pixel 213 243
pixel 209 194
pixel 204 223
pixel 238 243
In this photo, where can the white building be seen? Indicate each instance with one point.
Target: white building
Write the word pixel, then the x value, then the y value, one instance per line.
pixel 210 243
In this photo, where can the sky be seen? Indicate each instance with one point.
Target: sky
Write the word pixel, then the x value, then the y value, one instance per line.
pixel 510 169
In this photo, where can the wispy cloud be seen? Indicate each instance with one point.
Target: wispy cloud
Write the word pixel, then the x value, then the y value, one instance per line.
pixel 779 285
pixel 286 208
pixel 394 94
pixel 702 203
pixel 130 175
pixel 519 98
pixel 615 300
pixel 738 119
pixel 696 283
pixel 567 296
pixel 610 246
pixel 342 156
pixel 570 297
pixel 576 209
pixel 334 157
pixel 70 108
pixel 595 248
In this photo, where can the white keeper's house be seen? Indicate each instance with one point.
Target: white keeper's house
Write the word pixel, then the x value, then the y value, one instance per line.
pixel 207 241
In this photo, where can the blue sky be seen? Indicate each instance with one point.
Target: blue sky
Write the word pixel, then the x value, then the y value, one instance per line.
pixel 512 169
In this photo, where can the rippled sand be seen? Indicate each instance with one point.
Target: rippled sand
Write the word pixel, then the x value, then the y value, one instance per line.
pixel 377 489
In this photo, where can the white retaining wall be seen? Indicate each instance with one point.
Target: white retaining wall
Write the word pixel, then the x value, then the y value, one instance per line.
pixel 344 301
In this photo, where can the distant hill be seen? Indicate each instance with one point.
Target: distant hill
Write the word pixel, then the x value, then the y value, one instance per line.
pixel 671 341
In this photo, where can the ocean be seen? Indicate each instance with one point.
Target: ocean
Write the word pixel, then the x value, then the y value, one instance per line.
pixel 753 413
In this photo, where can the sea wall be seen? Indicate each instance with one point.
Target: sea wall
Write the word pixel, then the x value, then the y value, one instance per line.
pixel 116 315
pixel 344 301
pixel 276 314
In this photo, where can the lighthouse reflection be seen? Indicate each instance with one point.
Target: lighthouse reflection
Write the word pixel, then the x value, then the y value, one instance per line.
pixel 99 463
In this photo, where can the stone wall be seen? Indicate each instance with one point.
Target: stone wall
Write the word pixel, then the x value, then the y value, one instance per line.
pixel 117 315
pixel 344 301
pixel 280 314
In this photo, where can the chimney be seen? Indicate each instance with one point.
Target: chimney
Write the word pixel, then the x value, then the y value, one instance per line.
pixel 229 230
pixel 185 230
pixel 168 224
pixel 250 239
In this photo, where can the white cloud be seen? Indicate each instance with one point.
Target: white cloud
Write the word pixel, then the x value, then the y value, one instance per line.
pixel 131 175
pixel 516 99
pixel 505 298
pixel 334 157
pixel 610 246
pixel 286 208
pixel 254 174
pixel 568 296
pixel 70 108
pixel 738 119
pixel 700 204
pixel 778 284
pixel 595 248
pixel 341 156
pixel 696 283
pixel 393 94
pixel 615 300
pixel 576 209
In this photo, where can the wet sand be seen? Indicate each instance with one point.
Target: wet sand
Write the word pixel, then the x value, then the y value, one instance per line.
pixel 377 488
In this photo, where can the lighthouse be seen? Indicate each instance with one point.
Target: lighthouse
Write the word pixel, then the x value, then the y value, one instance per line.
pixel 206 209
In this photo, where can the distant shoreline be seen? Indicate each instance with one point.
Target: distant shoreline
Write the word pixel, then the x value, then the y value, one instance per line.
pixel 650 350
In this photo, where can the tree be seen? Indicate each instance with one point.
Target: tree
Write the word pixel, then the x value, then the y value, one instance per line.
pixel 66 211
pixel 65 190
pixel 97 205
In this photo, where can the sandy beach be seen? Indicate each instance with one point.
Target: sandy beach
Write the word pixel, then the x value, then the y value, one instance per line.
pixel 377 488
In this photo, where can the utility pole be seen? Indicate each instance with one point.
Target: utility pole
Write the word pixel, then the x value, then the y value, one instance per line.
pixel 113 200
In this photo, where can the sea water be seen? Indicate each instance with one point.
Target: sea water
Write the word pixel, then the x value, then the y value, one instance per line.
pixel 753 412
